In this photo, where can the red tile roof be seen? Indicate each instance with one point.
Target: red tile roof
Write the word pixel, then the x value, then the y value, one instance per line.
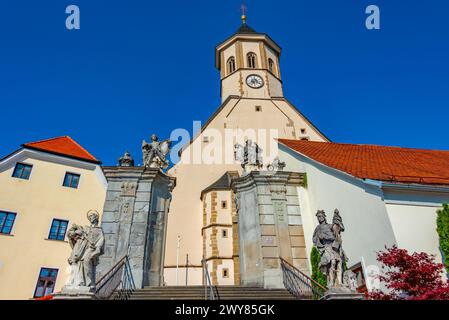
pixel 64 146
pixel 391 164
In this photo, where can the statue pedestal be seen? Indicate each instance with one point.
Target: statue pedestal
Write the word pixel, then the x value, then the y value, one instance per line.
pixel 75 293
pixel 134 222
pixel 342 294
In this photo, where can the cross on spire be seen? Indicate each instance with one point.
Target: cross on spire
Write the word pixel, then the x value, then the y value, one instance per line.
pixel 244 9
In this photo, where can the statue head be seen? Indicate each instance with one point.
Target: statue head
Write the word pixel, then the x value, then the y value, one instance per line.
pixel 321 216
pixel 93 217
pixel 154 137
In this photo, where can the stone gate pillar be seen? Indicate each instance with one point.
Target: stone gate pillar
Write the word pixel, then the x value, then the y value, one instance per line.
pixel 134 221
pixel 270 226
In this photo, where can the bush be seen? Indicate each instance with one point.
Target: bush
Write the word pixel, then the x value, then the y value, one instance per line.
pixel 443 232
pixel 410 277
pixel 317 275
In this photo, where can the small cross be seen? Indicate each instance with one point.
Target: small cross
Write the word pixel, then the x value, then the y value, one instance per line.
pixel 243 8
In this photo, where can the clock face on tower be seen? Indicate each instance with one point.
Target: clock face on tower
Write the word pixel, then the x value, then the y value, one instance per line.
pixel 254 81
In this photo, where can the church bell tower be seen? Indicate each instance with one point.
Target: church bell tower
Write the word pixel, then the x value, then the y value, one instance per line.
pixel 248 62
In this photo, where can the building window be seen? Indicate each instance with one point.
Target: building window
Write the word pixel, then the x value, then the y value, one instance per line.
pixel 46 282
pixel 271 65
pixel 71 180
pixel 258 109
pixel 251 60
pixel 225 273
pixel 231 65
pixel 303 131
pixel 224 233
pixel 58 229
pixel 22 171
pixel 305 139
pixel 224 204
pixel 206 139
pixel 6 222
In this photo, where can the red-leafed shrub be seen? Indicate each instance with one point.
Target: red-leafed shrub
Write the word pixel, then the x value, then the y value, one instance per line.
pixel 410 276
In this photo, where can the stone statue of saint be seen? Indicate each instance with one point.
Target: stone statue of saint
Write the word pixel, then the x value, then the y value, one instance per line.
pixel 87 245
pixel 327 239
pixel 126 160
pixel 154 153
pixel 253 153
pixel 250 156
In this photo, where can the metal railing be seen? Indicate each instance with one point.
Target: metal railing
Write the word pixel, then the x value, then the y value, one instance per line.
pixel 117 283
pixel 299 284
pixel 209 293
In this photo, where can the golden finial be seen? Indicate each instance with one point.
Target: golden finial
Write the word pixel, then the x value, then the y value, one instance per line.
pixel 243 7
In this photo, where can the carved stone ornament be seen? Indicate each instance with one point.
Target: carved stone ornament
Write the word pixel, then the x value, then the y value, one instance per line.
pixel 126 160
pixel 129 189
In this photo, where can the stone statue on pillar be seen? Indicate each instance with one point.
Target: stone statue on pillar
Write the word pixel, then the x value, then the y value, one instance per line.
pixel 155 152
pixel 87 245
pixel 249 155
pixel 327 239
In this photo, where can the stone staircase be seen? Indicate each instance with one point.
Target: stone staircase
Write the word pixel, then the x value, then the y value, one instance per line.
pixel 221 293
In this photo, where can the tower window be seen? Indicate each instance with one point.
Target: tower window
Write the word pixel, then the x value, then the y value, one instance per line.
pixel 224 204
pixel 271 65
pixel 258 109
pixel 303 131
pixel 225 273
pixel 224 233
pixel 205 139
pixel 252 60
pixel 231 65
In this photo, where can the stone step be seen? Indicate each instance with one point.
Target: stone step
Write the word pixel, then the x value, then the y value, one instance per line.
pixel 221 292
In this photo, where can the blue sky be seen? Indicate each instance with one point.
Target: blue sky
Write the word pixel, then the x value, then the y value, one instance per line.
pixel 112 83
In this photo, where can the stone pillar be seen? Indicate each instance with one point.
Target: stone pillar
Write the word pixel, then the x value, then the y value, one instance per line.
pixel 268 221
pixel 134 221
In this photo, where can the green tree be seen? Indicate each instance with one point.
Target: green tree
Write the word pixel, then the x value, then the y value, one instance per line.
pixel 443 232
pixel 317 275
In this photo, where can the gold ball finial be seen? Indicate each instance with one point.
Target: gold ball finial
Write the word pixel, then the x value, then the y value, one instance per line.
pixel 243 19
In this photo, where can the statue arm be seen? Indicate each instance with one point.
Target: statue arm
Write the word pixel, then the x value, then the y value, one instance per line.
pixel 99 246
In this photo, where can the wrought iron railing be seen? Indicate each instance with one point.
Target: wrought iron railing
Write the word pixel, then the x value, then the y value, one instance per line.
pixel 117 283
pixel 209 293
pixel 299 284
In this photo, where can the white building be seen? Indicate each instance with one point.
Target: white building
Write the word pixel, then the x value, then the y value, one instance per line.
pixel 385 195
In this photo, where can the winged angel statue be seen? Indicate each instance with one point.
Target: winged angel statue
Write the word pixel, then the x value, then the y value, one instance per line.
pixel 155 152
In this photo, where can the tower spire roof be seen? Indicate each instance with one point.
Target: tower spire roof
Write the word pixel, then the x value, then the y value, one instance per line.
pixel 244 28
